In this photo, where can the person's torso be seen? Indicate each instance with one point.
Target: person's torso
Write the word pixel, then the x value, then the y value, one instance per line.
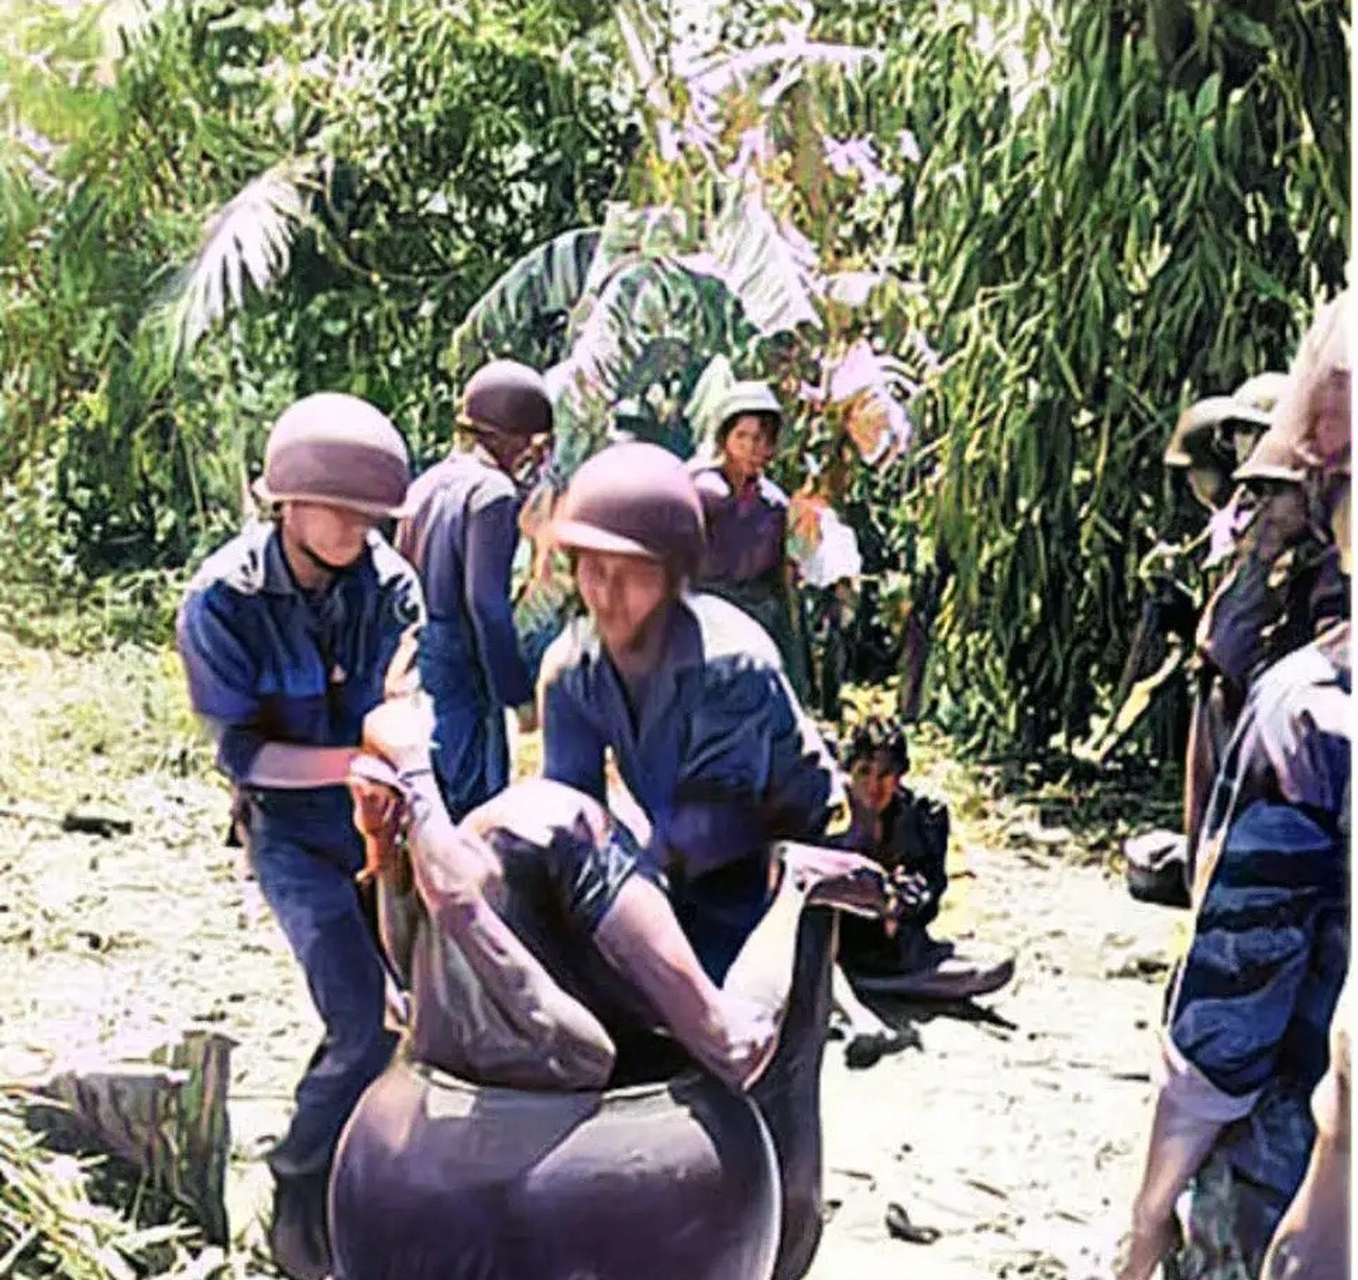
pixel 696 740
pixel 319 658
pixel 435 540
pixel 1292 743
pixel 434 537
pixel 1271 1145
pixel 746 531
pixel 1264 610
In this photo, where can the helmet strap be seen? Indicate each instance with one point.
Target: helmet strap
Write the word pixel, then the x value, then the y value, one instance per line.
pixel 319 562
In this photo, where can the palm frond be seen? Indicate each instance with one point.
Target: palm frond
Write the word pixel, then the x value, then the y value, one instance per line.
pixel 250 238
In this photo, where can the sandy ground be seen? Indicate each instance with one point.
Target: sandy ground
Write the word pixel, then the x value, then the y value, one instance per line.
pixel 1012 1126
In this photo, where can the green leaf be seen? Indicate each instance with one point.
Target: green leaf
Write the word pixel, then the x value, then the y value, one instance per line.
pixel 524 312
pixel 250 238
pixel 768 266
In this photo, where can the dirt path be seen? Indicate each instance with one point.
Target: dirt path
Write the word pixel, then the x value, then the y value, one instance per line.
pixel 1014 1130
pixel 1016 1134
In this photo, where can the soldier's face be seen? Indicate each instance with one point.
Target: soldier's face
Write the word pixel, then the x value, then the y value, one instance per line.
pixel 333 536
pixel 1208 485
pixel 624 596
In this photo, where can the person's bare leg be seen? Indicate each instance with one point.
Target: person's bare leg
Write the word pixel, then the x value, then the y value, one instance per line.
pixel 862 1021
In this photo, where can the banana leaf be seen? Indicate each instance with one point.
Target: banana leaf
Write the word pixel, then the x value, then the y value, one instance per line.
pixel 770 267
pixel 657 323
pixel 524 314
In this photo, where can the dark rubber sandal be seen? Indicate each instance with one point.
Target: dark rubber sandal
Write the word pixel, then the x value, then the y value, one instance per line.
pixel 899 1227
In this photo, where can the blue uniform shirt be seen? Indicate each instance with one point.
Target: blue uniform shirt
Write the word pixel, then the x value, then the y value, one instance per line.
pixel 462 540
pixel 269 662
pixel 1252 1007
pixel 721 757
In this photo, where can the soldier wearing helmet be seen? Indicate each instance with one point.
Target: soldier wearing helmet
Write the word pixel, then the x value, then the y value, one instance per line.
pixel 286 634
pixel 1245 1033
pixel 1215 435
pixel 688 694
pixel 745 559
pixel 461 536
pixel 1284 585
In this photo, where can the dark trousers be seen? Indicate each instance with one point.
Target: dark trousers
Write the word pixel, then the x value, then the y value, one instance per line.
pixel 719 910
pixel 305 852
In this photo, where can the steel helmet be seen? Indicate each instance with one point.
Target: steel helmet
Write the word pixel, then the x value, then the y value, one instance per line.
pixel 510 398
pixel 1197 438
pixel 1275 457
pixel 339 450
pixel 1263 391
pixel 748 397
pixel 634 499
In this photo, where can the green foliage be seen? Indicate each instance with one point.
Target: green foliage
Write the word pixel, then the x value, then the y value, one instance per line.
pixel 352 177
pixel 53 1223
pixel 1111 247
pixel 1092 212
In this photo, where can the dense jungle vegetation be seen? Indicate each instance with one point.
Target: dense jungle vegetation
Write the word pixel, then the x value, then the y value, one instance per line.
pixel 987 250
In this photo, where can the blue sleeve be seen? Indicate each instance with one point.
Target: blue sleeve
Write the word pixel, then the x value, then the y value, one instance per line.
pixel 749 745
pixel 572 747
pixel 492 536
pixel 1239 990
pixel 223 675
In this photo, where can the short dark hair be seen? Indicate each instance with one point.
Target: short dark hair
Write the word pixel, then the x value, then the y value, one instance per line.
pixel 770 422
pixel 878 737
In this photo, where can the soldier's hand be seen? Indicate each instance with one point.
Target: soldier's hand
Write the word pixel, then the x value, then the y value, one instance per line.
pixel 379 815
pixel 748 1038
pixel 401 731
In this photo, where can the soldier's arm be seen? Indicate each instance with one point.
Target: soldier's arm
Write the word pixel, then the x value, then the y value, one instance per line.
pixel 222 668
pixel 1312 1237
pixel 492 537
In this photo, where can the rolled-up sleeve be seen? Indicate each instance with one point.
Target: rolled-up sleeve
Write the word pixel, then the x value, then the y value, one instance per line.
pixel 223 677
pixel 1249 958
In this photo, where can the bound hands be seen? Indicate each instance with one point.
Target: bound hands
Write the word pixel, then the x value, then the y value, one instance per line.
pixel 401 729
pixel 396 739
pixel 749 1039
pixel 907 895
